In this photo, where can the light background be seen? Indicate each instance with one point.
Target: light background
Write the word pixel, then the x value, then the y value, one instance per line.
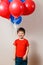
pixel 34 33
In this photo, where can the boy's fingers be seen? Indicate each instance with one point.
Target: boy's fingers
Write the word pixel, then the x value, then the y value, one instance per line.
pixel 13 59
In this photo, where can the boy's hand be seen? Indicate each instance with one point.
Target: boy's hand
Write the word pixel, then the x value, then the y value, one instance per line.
pixel 14 58
pixel 24 57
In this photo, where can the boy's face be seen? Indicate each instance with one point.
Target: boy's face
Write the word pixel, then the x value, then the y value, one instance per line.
pixel 21 34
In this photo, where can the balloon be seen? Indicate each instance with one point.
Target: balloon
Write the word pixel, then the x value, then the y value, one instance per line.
pixel 29 7
pixel 6 1
pixel 22 0
pixel 12 19
pixel 16 8
pixel 10 0
pixel 16 20
pixel 4 10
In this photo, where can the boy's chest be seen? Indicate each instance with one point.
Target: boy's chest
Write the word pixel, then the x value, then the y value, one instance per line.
pixel 21 44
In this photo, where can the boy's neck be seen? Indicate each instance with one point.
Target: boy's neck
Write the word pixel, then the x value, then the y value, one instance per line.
pixel 21 38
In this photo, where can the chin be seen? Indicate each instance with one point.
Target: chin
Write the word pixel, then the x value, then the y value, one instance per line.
pixel 22 38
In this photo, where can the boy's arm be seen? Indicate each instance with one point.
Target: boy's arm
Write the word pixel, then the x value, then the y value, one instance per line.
pixel 27 51
pixel 14 52
pixel 26 54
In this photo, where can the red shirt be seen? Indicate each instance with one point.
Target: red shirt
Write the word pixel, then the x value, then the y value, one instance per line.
pixel 21 46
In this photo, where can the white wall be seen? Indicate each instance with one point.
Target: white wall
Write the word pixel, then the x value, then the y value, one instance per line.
pixel 34 27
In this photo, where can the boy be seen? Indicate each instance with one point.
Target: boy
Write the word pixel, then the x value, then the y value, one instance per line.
pixel 21 46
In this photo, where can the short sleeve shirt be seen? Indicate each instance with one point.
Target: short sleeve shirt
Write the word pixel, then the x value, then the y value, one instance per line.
pixel 21 46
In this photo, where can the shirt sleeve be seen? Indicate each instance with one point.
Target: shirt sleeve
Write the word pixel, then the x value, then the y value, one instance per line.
pixel 27 43
pixel 15 43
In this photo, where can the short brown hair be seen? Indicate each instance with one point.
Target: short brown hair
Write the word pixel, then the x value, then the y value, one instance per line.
pixel 21 29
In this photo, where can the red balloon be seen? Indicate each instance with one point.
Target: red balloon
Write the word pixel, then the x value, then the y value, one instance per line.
pixel 7 1
pixel 16 8
pixel 29 7
pixel 4 10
